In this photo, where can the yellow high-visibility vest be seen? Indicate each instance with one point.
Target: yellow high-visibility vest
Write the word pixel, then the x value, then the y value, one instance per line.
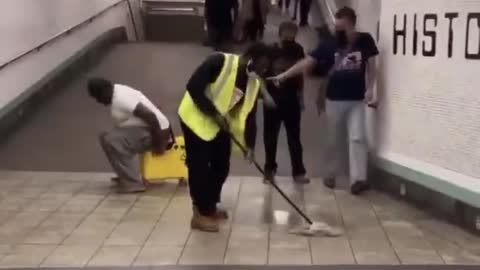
pixel 221 93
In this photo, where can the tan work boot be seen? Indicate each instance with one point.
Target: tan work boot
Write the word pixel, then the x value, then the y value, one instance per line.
pixel 204 223
pixel 221 214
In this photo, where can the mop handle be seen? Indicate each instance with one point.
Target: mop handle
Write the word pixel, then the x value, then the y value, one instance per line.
pixel 259 168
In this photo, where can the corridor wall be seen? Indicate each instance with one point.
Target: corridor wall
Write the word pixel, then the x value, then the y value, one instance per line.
pixel 51 17
pixel 426 129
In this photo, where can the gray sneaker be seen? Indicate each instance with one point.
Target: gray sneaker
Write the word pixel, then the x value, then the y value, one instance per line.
pixel 329 182
pixel 301 179
pixel 125 187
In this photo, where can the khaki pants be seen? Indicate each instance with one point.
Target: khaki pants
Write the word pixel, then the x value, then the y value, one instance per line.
pixel 123 147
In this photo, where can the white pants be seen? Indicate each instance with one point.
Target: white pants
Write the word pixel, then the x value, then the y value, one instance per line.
pixel 351 114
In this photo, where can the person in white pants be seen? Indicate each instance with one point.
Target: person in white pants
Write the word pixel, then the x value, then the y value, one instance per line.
pixel 350 89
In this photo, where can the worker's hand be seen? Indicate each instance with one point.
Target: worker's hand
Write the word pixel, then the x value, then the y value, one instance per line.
pixel 222 123
pixel 250 155
pixel 371 99
pixel 277 80
pixel 158 146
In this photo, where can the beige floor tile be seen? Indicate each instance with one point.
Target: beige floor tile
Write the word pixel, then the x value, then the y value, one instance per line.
pixel 416 257
pixel 60 219
pixel 5 249
pixel 331 251
pixel 28 219
pixel 26 256
pixel 130 234
pixel 253 255
pixel 112 215
pixel 78 207
pixel 14 203
pixel 158 255
pixel 53 237
pixel 168 236
pixel 450 252
pixel 202 239
pixel 115 256
pixel 29 192
pixel 93 233
pixel 376 258
pixel 282 240
pixel 142 214
pixel 206 255
pixel 289 256
pixel 5 216
pixel 70 256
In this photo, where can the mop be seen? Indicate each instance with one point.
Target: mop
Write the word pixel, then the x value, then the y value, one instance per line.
pixel 312 228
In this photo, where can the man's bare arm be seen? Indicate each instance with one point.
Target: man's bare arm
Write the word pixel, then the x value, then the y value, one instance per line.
pixel 159 139
pixel 299 68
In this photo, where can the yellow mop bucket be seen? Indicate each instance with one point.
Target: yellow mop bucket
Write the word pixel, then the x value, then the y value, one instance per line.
pixel 170 165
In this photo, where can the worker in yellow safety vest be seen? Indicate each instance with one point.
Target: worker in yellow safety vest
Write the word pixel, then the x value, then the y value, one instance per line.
pixel 220 102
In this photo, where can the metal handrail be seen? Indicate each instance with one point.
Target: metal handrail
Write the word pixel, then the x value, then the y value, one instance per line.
pixel 65 32
pixel 330 8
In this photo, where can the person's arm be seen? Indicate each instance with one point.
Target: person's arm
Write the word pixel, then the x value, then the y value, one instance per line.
pixel 299 68
pixel 205 74
pixel 301 78
pixel 235 10
pixel 371 52
pixel 159 136
pixel 371 78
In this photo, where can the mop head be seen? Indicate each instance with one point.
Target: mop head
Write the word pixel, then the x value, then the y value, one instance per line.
pixel 317 229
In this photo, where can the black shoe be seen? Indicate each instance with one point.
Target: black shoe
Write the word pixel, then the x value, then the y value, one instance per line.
pixel 207 43
pixel 301 179
pixel 269 177
pixel 329 182
pixel 359 187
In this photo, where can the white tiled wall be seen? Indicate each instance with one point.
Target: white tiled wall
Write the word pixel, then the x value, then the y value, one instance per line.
pixel 19 76
pixel 431 105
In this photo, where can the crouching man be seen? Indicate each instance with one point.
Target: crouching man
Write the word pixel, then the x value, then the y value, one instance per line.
pixel 140 126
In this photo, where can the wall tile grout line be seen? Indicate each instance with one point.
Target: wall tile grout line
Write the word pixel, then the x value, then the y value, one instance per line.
pixel 347 234
pixel 32 230
pixel 184 244
pixel 156 223
pixel 384 230
pixel 81 221
pixel 113 229
pixel 232 222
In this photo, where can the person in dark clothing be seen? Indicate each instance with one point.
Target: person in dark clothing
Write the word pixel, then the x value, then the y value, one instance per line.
pixel 255 16
pixel 350 89
pixel 296 3
pixel 219 93
pixel 288 99
pixel 281 2
pixel 220 15
pixel 304 11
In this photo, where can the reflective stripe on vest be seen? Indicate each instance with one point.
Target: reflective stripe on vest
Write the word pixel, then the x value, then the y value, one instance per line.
pixel 219 92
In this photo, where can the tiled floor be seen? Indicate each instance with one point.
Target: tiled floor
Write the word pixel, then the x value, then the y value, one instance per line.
pixel 73 220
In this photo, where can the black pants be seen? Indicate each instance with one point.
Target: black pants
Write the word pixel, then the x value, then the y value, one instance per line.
pixel 219 31
pixel 287 4
pixel 208 165
pixel 254 28
pixel 304 11
pixel 290 116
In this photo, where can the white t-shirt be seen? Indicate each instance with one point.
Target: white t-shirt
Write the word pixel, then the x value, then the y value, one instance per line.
pixel 125 100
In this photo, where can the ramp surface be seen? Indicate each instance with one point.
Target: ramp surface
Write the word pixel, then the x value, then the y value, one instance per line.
pixel 62 135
